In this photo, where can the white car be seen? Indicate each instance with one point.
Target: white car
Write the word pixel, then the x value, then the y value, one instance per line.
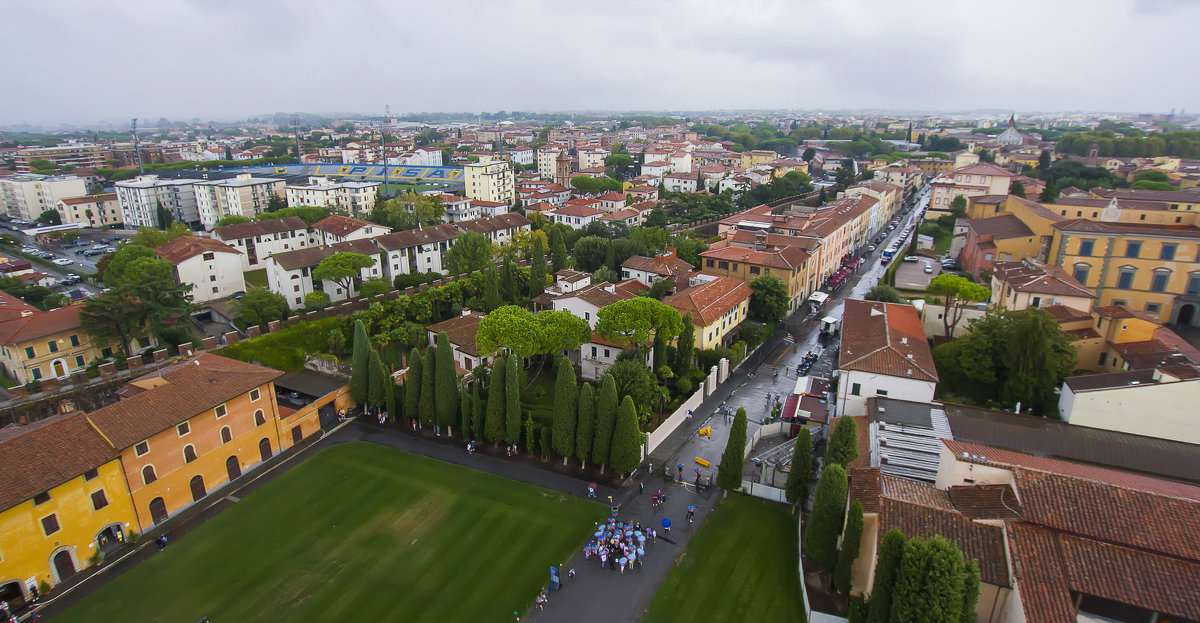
pixel 62 261
pixel 29 250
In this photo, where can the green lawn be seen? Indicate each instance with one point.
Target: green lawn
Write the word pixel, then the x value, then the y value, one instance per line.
pixel 358 532
pixel 255 278
pixel 741 566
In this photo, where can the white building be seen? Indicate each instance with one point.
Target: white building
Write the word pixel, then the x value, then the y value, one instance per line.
pixel 353 198
pixel 414 251
pixel 289 274
pixel 258 240
pixel 576 215
pixel 489 181
pixel 460 332
pixel 656 169
pixel 141 197
pixel 680 182
pixel 595 357
pixel 521 155
pixel 244 195
pixel 336 228
pixel 681 161
pixel 969 181
pixel 1151 402
pixel 27 195
pixel 91 210
pixel 212 267
pixel 458 208
pixel 883 353
pixel 547 157
pixel 593 157
pixel 499 229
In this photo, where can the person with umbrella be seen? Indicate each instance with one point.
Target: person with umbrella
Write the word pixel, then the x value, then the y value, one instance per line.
pixel 592 490
pixel 691 513
pixel 666 524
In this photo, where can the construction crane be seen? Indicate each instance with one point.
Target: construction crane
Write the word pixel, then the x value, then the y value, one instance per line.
pixel 137 146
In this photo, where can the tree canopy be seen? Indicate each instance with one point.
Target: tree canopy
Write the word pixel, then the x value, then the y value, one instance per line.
pixel 633 320
pixel 594 186
pixel 470 252
pixel 259 306
pixel 342 268
pixel 957 293
pixel 526 334
pixel 408 211
pixel 768 299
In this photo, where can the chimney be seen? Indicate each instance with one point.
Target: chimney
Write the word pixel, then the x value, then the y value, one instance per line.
pixel 669 252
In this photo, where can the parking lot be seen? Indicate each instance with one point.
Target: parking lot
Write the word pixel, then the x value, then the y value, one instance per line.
pixel 913 275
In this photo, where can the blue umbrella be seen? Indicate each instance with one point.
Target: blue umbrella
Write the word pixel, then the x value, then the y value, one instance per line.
pixel 666 523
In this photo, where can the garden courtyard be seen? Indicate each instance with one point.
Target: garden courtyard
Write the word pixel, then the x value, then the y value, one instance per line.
pixel 360 532
pixel 740 566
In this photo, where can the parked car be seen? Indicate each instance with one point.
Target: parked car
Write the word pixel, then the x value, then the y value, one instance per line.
pixel 62 261
pixel 928 268
pixel 912 258
pixel 30 250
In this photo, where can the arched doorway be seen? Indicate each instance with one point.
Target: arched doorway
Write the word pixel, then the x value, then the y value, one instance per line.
pixel 232 466
pixel 264 448
pixel 58 368
pixel 197 486
pixel 110 538
pixel 63 565
pixel 158 510
pixel 1187 315
pixel 12 592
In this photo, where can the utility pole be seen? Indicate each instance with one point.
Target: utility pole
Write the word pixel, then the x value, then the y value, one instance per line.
pixel 137 146
pixel 387 191
pixel 299 156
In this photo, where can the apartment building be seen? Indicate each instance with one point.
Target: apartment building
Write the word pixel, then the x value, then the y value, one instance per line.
pixel 289 273
pixel 258 240
pixel 353 198
pixel 26 196
pixel 747 255
pixel 141 197
pixel 244 195
pixel 718 305
pixel 72 155
pixel 969 181
pixel 489 181
pixel 91 210
pixel 211 267
pixel 36 344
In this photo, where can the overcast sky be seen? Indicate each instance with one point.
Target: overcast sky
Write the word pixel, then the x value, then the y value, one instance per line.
pixel 86 61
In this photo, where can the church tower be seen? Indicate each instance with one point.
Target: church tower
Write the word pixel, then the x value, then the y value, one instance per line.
pixel 562 169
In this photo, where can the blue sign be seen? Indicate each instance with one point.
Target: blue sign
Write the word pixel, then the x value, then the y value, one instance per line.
pixel 364 172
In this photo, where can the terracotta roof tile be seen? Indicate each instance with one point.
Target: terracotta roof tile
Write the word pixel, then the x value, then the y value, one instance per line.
pixel 980 542
pixel 187 247
pixel 985 501
pixel 885 338
pixel 865 487
pixel 461 331
pixel 42 455
pixel 40 324
pixel 189 391
pixel 1030 275
pixel 259 228
pixel 711 300
pixel 339 225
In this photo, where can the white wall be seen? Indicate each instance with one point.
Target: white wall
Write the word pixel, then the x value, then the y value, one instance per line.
pixel 223 274
pixel 1165 410
pixel 869 383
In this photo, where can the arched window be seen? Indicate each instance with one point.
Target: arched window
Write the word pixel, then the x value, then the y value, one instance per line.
pixel 226 435
pixel 1081 272
pixel 259 418
pixel 189 453
pixel 148 475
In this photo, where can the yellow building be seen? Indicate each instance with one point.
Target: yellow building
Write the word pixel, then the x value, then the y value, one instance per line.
pixel 90 210
pixel 746 256
pixel 490 181
pixel 37 344
pixel 1147 267
pixel 1175 200
pixel 932 166
pixel 191 430
pixel 757 157
pixel 716 306
pixel 64 500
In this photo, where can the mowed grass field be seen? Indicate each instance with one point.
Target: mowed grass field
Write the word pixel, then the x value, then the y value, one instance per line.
pixel 740 566
pixel 358 532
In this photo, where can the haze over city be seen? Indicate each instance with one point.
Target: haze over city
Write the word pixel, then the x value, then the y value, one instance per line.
pixel 227 60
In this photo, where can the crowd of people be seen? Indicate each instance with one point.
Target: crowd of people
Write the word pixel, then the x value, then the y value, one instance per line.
pixel 619 545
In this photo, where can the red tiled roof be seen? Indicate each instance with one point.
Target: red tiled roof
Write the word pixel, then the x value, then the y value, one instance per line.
pixel 42 455
pixel 260 228
pixel 12 307
pixel 581 211
pixel 1030 275
pixel 339 225
pixel 189 391
pixel 980 542
pixel 885 338
pixel 664 265
pixel 40 324
pixel 461 331
pixel 90 199
pixel 707 302
pixel 187 247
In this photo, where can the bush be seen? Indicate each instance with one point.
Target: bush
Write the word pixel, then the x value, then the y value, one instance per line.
pixel 738 353
pixel 683 387
pixel 286 349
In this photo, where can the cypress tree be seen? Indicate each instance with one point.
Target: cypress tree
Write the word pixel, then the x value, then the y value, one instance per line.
pixel 908 605
pixel 508 281
pixel 566 409
pixel 800 475
pixel 491 290
pixel 887 565
pixel 544 442
pixel 851 538
pixel 584 426
pixel 606 420
pixel 390 400
pixel 376 392
pixel 480 416
pixel 466 413
pixel 843 442
pixel 512 399
pixel 660 351
pixel 494 424
pixel 537 268
pixel 685 346
pixel 446 384
pixel 531 435
pixel 970 591
pixel 825 522
pixel 939 596
pixel 626 439
pixel 729 472
pixel 558 250
pixel 428 397
pixel 412 386
pixel 360 362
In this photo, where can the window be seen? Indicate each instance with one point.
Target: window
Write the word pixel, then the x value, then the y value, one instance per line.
pixel 148 475
pixel 226 435
pixel 1193 285
pixel 1125 278
pixel 49 524
pixel 254 395
pixel 41 498
pixel 79 361
pixel 1081 273
pixel 856 389
pixel 141 448
pixel 90 474
pixel 99 501
pixel 881 392
pixel 1153 308
pixel 753 270
pixel 1133 248
pixel 183 429
pixel 29 352
pixel 189 453
pixel 1103 359
pixel 52 346
pixel 1036 302
pixel 37 373
pixel 260 419
pixel 212 277
pixel 221 411
pixel 1086 247
pixel 593 351
pixel 209 256
pixel 1167 252
pixel 1158 283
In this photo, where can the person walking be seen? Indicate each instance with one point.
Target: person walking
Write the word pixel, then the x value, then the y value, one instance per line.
pixel 641 488
pixel 691 513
